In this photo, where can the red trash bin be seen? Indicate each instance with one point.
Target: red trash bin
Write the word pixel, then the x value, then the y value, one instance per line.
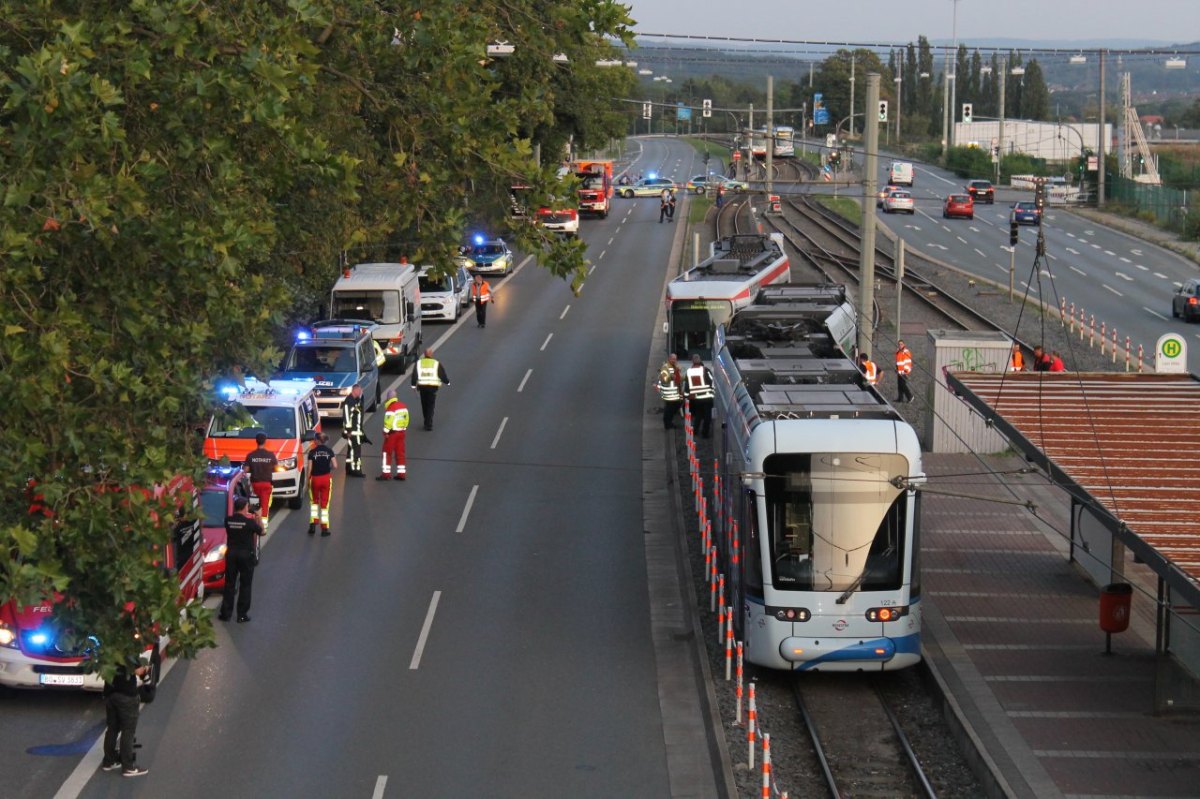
pixel 1115 600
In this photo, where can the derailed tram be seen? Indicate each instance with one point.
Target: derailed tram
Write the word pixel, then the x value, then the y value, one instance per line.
pixel 818 517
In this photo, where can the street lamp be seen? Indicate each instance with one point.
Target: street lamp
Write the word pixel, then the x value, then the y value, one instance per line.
pixel 948 78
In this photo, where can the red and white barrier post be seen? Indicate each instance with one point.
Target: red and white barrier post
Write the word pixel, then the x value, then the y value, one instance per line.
pixel 1114 345
pixel 751 723
pixel 766 766
pixel 1141 358
pixel 1092 333
pixel 737 713
pixel 1103 337
pixel 1127 356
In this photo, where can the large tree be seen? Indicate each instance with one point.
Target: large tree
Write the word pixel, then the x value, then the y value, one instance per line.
pixel 180 177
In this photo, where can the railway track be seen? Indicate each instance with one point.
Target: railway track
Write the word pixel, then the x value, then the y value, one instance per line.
pixel 858 742
pixel 832 247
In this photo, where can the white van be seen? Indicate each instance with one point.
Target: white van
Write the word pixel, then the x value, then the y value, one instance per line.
pixel 900 173
pixel 388 295
pixel 443 297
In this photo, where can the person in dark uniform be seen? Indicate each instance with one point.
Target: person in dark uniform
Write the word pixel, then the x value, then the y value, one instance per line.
pixel 664 205
pixel 670 389
pixel 122 706
pixel 241 542
pixel 427 378
pixel 321 463
pixel 698 387
pixel 261 463
pixel 352 429
pixel 671 207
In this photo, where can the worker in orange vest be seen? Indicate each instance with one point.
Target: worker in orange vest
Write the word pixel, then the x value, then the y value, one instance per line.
pixel 1017 363
pixel 481 295
pixel 903 370
pixel 868 368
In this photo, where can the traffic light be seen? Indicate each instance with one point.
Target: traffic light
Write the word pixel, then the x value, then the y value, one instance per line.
pixel 1014 233
pixel 707 112
pixel 883 110
pixel 647 109
pixel 967 112
pixel 1039 195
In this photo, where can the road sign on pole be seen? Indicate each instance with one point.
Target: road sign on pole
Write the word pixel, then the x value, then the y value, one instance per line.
pixel 647 109
pixel 707 111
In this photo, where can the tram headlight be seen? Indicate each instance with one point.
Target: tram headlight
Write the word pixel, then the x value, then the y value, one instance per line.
pixel 886 614
pixel 793 614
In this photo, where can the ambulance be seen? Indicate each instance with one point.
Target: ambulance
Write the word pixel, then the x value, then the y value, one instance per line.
pixel 285 410
pixel 36 652
pixel 388 295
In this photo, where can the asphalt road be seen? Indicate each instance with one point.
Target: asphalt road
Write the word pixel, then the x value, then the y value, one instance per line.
pixel 478 630
pixel 1122 281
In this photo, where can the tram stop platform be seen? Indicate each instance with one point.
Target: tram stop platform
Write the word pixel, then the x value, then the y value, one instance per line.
pixel 1011 632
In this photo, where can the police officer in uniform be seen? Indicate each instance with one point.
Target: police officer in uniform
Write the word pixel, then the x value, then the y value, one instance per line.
pixel 395 423
pixel 241 541
pixel 261 463
pixel 698 384
pixel 321 463
pixel 428 377
pixel 352 429
pixel 670 389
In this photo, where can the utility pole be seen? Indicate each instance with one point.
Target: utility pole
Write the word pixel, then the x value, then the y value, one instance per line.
pixel 1101 144
pixel 899 92
pixel 866 259
pixel 770 137
pixel 749 142
pixel 810 74
pixel 1000 128
pixel 946 108
pixel 851 96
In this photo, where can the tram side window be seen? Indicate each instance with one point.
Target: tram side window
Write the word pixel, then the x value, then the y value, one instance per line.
pixel 790 513
pixel 753 544
pixel 885 562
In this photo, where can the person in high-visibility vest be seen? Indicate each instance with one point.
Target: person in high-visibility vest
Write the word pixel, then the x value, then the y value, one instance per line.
pixel 481 295
pixel 669 387
pixel 1017 362
pixel 427 378
pixel 395 422
pixel 698 385
pixel 868 368
pixel 903 370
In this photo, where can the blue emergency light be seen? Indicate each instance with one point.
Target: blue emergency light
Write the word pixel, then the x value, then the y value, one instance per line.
pixel 224 471
pixel 39 639
pixel 652 175
pixel 479 239
pixel 228 391
pixel 303 335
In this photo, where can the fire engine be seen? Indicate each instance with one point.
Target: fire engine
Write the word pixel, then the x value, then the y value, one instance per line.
pixel 595 186
pixel 285 410
pixel 35 652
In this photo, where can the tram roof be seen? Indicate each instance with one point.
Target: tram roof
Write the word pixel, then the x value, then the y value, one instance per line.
pixel 1123 442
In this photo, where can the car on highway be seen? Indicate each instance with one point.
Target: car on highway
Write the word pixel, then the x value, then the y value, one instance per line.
pixel 564 221
pixel 443 296
pixel 899 202
pixel 982 191
pixel 962 205
pixel 222 485
pixel 648 187
pixel 1186 302
pixel 1026 213
pixel 488 257
pixel 883 194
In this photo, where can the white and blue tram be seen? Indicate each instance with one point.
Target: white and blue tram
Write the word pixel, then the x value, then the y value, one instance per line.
pixel 818 523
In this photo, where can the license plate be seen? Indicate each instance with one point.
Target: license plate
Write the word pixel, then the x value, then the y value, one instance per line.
pixel 61 679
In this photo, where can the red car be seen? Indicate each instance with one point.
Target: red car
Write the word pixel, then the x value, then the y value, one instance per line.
pixel 958 205
pixel 223 485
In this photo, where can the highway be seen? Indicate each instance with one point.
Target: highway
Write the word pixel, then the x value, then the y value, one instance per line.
pixel 481 629
pixel 1119 279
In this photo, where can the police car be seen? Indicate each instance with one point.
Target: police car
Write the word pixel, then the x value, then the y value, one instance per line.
pixel 487 256
pixel 285 411
pixel 336 354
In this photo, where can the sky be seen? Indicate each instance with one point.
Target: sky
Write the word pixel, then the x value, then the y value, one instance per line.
pixel 1171 21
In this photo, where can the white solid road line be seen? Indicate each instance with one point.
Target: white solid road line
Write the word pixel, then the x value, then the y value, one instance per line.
pixel 528 372
pixel 380 784
pixel 544 343
pixel 1078 270
pixel 564 313
pixel 1161 276
pixel 422 638
pixel 1113 290
pixel 500 432
pixel 1155 313
pixel 981 255
pixel 462 520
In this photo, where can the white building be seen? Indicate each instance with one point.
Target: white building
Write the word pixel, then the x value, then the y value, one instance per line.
pixel 1054 141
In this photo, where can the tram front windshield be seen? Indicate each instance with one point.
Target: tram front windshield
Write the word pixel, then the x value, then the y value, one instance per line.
pixel 834 521
pixel 694 328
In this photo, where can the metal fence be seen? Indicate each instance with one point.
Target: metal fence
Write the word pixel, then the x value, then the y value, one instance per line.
pixel 1169 207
